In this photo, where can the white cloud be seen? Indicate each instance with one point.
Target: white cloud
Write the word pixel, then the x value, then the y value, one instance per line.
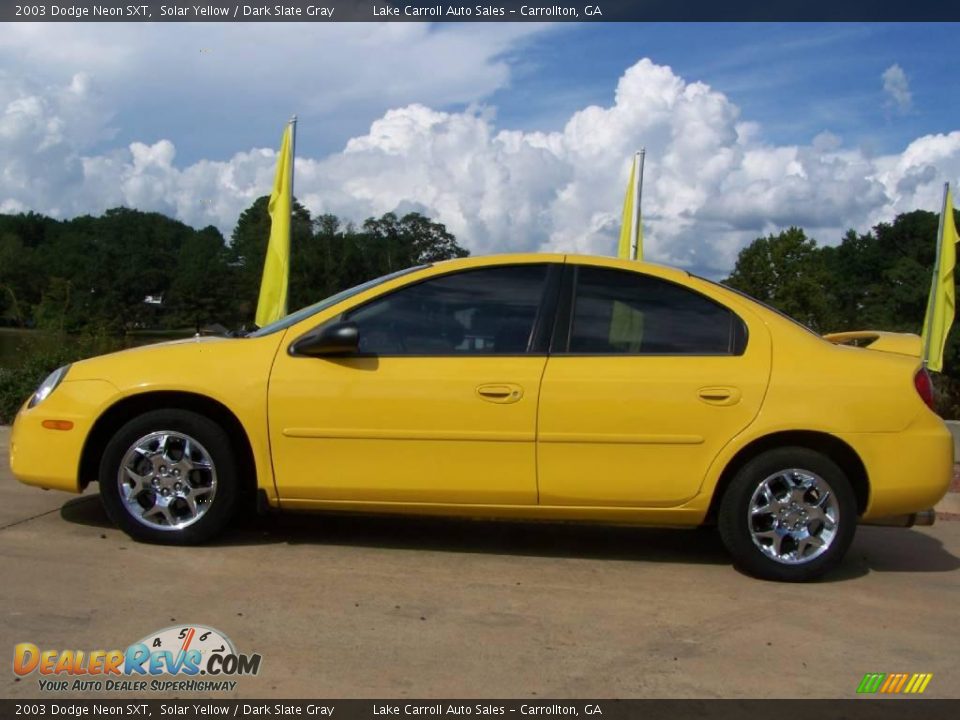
pixel 711 184
pixel 244 78
pixel 897 87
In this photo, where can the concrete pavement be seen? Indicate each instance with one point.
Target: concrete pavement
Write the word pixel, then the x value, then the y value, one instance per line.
pixel 364 607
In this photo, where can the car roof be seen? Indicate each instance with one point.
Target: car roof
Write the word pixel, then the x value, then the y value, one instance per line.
pixel 664 271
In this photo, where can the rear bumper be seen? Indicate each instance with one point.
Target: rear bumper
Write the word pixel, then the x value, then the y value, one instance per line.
pixel 51 458
pixel 909 471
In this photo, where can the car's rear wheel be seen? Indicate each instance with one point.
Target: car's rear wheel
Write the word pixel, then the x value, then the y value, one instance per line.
pixel 789 514
pixel 169 476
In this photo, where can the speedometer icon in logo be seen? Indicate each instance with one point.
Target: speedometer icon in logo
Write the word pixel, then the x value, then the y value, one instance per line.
pixel 183 648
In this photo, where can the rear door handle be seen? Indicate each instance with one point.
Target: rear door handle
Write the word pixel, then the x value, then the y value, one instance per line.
pixel 500 392
pixel 719 395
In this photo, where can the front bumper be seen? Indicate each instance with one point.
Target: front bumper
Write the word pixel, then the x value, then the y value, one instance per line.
pixel 51 458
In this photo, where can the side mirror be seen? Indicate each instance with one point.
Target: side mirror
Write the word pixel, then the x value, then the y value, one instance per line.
pixel 337 339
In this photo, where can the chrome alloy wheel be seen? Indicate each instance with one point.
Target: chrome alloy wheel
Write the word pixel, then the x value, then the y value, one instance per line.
pixel 167 480
pixel 793 516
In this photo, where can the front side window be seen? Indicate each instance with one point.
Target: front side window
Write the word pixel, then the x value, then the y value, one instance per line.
pixel 618 312
pixel 488 311
pixel 303 313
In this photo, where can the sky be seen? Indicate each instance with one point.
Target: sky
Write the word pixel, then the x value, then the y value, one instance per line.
pixel 518 137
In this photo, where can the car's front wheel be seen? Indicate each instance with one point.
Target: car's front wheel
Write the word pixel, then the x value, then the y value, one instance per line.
pixel 169 476
pixel 789 514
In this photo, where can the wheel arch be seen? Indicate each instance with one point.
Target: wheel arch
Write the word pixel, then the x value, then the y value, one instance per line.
pixel 829 445
pixel 113 418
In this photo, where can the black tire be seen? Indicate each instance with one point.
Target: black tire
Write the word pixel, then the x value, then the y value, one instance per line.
pixel 735 507
pixel 215 443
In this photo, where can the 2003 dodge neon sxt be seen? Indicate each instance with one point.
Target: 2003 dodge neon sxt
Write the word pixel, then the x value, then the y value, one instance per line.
pixel 522 386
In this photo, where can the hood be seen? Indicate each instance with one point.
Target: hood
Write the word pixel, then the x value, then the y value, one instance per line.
pixel 194 340
pixel 181 353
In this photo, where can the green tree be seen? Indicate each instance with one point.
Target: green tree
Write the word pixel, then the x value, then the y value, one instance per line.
pixel 336 253
pixel 17 278
pixel 248 248
pixel 22 273
pixel 397 243
pixel 202 289
pixel 53 309
pixel 881 278
pixel 787 271
pixel 94 273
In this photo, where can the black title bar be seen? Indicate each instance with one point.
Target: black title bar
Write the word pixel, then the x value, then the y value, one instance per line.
pixel 502 11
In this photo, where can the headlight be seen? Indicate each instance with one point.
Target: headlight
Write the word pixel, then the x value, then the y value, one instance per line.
pixel 48 386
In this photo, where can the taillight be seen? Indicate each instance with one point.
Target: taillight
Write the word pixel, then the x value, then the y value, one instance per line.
pixel 924 386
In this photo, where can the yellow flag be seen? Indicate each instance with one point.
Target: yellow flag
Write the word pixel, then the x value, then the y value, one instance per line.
pixel 272 304
pixel 943 293
pixel 626 223
pixel 626 324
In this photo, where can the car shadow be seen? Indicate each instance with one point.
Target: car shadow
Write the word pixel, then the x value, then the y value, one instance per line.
pixel 455 535
pixel 86 510
pixel 499 537
pixel 887 549
pixel 874 549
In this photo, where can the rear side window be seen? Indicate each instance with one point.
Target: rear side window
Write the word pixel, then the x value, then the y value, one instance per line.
pixel 489 311
pixel 624 313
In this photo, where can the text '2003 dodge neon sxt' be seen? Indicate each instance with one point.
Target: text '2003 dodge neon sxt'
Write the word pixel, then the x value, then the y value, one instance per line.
pixel 553 387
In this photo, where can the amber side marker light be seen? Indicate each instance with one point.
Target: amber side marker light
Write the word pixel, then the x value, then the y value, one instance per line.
pixel 58 424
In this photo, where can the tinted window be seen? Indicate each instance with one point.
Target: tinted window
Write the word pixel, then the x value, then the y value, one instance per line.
pixel 490 311
pixel 762 304
pixel 304 313
pixel 617 312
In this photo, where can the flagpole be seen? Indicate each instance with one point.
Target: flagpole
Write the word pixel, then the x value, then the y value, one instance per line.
pixel 638 159
pixel 931 299
pixel 293 159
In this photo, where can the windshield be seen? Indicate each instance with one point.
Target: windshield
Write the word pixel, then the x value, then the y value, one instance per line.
pixel 303 313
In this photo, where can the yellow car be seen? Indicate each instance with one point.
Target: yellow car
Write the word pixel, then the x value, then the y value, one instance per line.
pixel 553 387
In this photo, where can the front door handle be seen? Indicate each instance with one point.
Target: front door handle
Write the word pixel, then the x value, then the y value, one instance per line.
pixel 719 395
pixel 500 392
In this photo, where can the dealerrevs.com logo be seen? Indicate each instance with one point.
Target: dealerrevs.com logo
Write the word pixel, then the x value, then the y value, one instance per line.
pixel 200 658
